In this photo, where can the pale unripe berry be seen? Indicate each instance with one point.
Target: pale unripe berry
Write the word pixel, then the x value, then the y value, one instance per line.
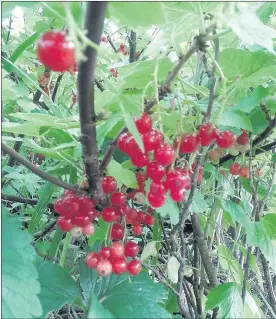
pixel 76 231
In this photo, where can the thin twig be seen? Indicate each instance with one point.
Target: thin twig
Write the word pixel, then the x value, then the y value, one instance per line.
pixel 94 25
pixel 45 230
pixel 9 30
pixel 99 85
pixel 35 169
pixel 57 86
pixel 12 198
pixel 132 47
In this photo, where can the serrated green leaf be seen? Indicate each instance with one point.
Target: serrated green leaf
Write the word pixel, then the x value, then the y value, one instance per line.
pixel 170 209
pixel 19 276
pixel 258 121
pixel 271 106
pixel 104 128
pixel 269 223
pixel 198 205
pixel 97 310
pixel 134 14
pixel 228 298
pixel 57 287
pixel 122 175
pixel 235 119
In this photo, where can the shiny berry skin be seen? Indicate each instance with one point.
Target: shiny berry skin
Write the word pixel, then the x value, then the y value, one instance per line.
pixel 121 142
pixel 85 204
pixel 188 144
pixel 92 259
pixel 117 231
pixel 140 217
pixel 119 266
pixel 105 252
pixel 140 159
pixel 81 221
pixel 152 140
pixel 144 123
pixel 109 184
pixel 118 199
pixel 134 267
pixel 164 155
pixel 176 180
pixel 234 169
pixel 243 138
pixel 67 206
pixel 117 249
pixel 177 195
pixel 131 249
pixel 112 70
pixel 88 229
pixel 137 229
pixel 157 188
pixel 155 171
pixel 225 139
pixel 64 223
pixel 244 172
pixel 104 267
pixel 156 201
pixel 104 39
pixel 132 213
pixel 149 220
pixel 207 134
pixel 55 52
pixel 109 214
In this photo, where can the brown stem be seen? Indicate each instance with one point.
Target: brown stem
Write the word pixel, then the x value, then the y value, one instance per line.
pixel 12 198
pixel 132 47
pixel 94 22
pixel 57 86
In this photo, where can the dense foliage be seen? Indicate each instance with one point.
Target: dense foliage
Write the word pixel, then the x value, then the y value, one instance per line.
pixel 138 160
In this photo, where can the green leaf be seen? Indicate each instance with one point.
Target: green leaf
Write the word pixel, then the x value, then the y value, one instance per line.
pixel 134 14
pixel 104 128
pixel 7 7
pixel 99 234
pixel 259 121
pixel 271 106
pixel 198 204
pixel 228 298
pixel 170 209
pixel 251 307
pixel 57 287
pixel 269 223
pixel 19 276
pixel 53 250
pixel 251 101
pixel 44 198
pixel 235 119
pixel 97 310
pixel 139 74
pixel 230 264
pixel 122 175
pixel 237 214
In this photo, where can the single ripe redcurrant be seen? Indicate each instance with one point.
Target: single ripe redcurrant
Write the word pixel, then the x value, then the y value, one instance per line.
pixel 155 171
pixel 134 267
pixel 119 266
pixel 156 200
pixel 109 214
pixel 234 169
pixel 64 223
pixel 225 139
pixel 92 259
pixel 109 184
pixel 131 249
pixel 144 123
pixel 104 267
pixel 164 155
pixel 117 249
pixel 118 199
pixel 117 231
pixel 105 252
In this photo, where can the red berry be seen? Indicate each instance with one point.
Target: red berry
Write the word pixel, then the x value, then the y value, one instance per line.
pixel 117 231
pixel 92 214
pixel 259 172
pixel 134 267
pixel 177 180
pixel 115 74
pixel 67 206
pixel 119 266
pixel 244 172
pixel 149 220
pixel 81 221
pixel 117 249
pixel 55 52
pixel 121 142
pixel 144 124
pixel 140 217
pixel 177 195
pixel 88 229
pixel 69 192
pixel 122 210
pixel 92 259
pixel 188 144
pixel 226 139
pixel 132 214
pixel 105 252
pixel 207 134
pixel 152 140
pixel 104 39
pixel 157 189
pixel 131 249
pixel 118 199
pixel 122 46
pixel 156 200
pixel 140 159
pixel 85 204
pixel 243 138
pixel 155 171
pixel 104 267
pixel 131 147
pixel 137 229
pixel 64 223
pixel 109 214
pixel 234 169
pixel 109 184
pixel 112 70
pixel 164 155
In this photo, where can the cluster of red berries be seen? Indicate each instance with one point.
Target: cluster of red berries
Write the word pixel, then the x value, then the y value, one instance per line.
pixel 122 49
pixel 56 52
pixel 114 72
pixel 236 169
pixel 76 213
pixel 114 259
pixel 119 208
